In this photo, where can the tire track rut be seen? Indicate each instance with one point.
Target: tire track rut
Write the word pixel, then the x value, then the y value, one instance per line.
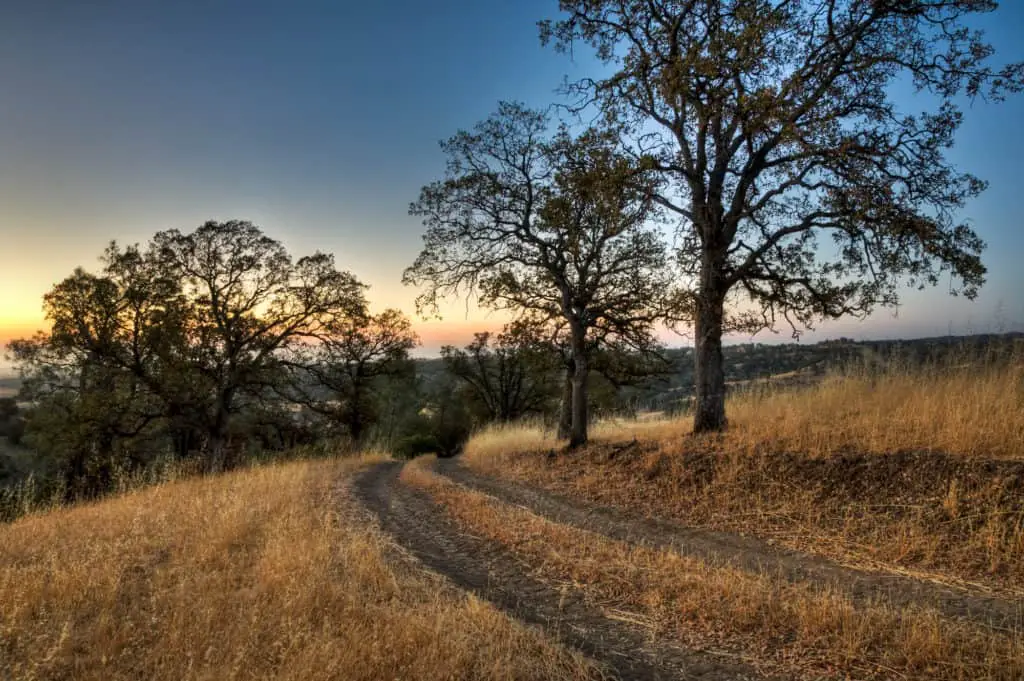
pixel 720 548
pixel 496 575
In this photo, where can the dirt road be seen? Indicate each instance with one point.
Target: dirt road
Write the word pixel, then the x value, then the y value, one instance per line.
pixel 498 577
pixel 629 650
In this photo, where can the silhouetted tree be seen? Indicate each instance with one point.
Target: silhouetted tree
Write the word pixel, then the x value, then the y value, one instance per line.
pixel 248 302
pixel 184 333
pixel 510 375
pixel 548 226
pixel 88 403
pixel 340 376
pixel 773 126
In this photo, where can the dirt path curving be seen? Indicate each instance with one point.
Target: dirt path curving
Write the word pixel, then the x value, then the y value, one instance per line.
pixel 720 548
pixel 496 575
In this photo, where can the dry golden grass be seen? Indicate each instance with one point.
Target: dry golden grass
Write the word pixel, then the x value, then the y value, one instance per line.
pixel 971 410
pixel 266 573
pixel 911 470
pixel 789 628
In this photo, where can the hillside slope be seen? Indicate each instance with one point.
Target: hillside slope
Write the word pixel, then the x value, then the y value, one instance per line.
pixel 267 573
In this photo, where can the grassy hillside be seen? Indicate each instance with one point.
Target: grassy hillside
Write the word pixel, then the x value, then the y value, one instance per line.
pixel 787 624
pixel 869 525
pixel 918 470
pixel 267 573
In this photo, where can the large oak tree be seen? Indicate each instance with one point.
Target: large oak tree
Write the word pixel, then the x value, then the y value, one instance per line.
pixel 804 191
pixel 249 302
pixel 186 331
pixel 550 226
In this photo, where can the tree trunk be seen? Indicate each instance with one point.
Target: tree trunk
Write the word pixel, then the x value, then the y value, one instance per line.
pixel 580 414
pixel 218 434
pixel 217 448
pixel 355 417
pixel 709 370
pixel 565 408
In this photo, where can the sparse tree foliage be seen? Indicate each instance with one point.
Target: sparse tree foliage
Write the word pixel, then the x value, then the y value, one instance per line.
pixel 510 375
pixel 339 377
pixel 803 190
pixel 551 227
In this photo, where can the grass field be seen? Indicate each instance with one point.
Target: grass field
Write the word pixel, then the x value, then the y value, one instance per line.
pixel 919 471
pixel 272 572
pixel 789 628
pixel 279 572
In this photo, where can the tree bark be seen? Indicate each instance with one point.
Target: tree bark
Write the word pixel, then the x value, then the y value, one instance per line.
pixel 356 425
pixel 565 408
pixel 709 369
pixel 217 444
pixel 218 434
pixel 580 414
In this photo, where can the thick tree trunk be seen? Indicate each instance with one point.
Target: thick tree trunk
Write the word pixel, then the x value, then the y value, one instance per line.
pixel 217 444
pixel 356 426
pixel 356 430
pixel 709 369
pixel 580 413
pixel 217 450
pixel 565 408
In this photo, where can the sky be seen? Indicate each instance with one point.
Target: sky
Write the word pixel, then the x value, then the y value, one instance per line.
pixel 320 121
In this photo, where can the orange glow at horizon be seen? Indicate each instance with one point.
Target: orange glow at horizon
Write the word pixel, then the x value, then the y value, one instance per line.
pixel 20 317
pixel 13 330
pixel 433 333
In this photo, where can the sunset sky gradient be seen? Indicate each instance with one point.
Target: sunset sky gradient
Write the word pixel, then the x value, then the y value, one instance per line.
pixel 319 121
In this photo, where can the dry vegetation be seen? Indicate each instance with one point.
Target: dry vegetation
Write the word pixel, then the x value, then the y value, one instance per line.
pixel 918 471
pixel 266 573
pixel 768 622
pixel 762 619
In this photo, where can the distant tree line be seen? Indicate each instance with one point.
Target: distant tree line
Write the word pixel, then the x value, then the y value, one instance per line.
pixel 217 345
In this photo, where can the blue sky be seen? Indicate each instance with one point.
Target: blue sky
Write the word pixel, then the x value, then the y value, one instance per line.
pixel 320 122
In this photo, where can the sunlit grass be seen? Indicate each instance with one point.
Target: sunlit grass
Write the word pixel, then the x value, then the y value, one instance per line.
pixel 971 410
pixel 271 572
pixel 913 469
pixel 794 626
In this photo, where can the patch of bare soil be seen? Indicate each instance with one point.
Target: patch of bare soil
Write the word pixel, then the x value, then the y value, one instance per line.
pixel 749 553
pixel 494 574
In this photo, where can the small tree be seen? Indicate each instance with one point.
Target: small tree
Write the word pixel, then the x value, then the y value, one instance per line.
pixel 339 377
pixel 509 375
pixel 551 227
pixel 773 125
